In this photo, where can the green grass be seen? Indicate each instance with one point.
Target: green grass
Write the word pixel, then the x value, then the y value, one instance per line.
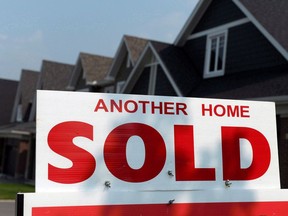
pixel 8 191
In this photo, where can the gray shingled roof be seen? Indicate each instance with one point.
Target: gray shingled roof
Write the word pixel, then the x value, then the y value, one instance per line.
pixel 54 75
pixel 135 46
pixel 95 67
pixel 272 15
pixel 8 89
pixel 130 47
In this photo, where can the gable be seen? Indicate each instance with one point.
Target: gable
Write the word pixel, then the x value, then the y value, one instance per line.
pixel 142 84
pixel 209 14
pixel 55 75
pixel 248 49
pixel 26 94
pixel 90 71
pixel 77 81
pixel 94 67
pixel 150 75
pixel 270 17
pixel 218 13
pixel 244 46
pixel 128 53
pixel 163 85
pixel 135 47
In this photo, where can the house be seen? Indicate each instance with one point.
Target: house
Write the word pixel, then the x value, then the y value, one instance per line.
pixel 89 73
pixel 17 133
pixel 233 49
pixel 163 69
pixel 53 76
pixel 8 89
pixel 18 142
pixel 126 56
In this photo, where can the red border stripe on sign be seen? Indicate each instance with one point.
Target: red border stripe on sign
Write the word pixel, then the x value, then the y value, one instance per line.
pixel 177 209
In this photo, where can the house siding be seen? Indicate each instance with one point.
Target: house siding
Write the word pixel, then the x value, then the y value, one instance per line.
pixel 123 71
pixel 195 49
pixel 163 85
pixel 8 91
pixel 81 83
pixel 142 85
pixel 218 13
pixel 248 49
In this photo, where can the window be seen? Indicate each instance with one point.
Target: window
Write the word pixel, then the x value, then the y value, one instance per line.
pixel 215 55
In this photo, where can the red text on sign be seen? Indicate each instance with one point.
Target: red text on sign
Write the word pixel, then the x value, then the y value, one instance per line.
pixel 132 106
pixel 60 140
pixel 220 110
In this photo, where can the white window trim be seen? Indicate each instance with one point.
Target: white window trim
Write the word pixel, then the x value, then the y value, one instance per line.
pixel 128 62
pixel 218 28
pixel 207 72
pixel 153 77
pixel 120 86
pixel 19 115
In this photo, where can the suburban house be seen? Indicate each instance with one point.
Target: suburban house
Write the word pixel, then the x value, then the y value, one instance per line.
pixel 231 49
pixel 18 132
pixel 126 56
pixel 53 76
pixel 18 136
pixel 8 90
pixel 89 73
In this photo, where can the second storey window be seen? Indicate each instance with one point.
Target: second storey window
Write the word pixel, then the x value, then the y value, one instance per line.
pixel 215 55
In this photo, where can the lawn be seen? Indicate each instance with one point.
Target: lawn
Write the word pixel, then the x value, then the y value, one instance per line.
pixel 8 191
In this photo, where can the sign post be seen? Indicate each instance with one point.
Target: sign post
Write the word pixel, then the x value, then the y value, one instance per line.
pixel 140 155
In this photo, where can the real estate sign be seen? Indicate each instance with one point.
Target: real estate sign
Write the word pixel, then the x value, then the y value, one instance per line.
pixel 112 154
pixel 91 141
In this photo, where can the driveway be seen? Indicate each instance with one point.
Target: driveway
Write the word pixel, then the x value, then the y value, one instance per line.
pixel 7 208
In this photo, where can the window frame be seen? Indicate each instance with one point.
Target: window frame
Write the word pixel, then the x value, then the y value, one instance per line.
pixel 208 73
pixel 153 68
pixel 120 85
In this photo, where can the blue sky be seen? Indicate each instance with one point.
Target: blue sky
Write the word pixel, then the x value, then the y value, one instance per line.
pixel 58 30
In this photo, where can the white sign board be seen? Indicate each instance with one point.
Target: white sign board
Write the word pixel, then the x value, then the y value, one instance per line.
pixel 91 141
pixel 160 203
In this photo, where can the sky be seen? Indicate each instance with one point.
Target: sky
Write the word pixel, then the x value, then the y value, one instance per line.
pixel 58 30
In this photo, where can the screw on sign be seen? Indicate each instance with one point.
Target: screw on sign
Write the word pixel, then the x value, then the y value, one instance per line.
pixel 84 163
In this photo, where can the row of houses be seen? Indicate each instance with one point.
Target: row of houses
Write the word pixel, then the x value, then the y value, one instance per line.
pixel 231 49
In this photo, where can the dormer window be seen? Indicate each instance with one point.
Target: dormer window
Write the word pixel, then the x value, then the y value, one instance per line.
pixel 215 55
